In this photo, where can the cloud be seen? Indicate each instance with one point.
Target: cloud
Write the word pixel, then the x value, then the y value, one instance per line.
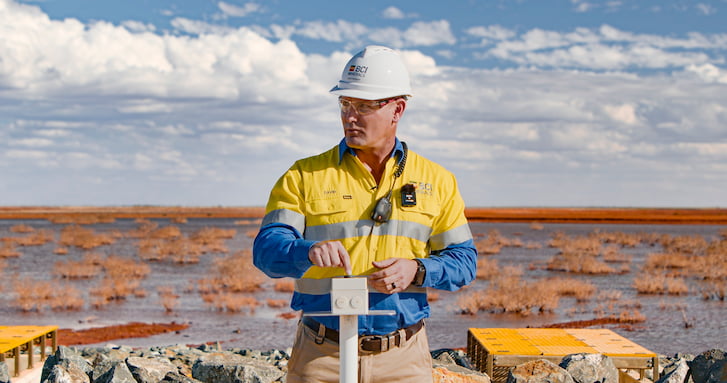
pixel 354 35
pixel 393 12
pixel 338 31
pixel 429 33
pixel 231 10
pixel 138 27
pixel 709 73
pixel 706 9
pixel 212 115
pixel 491 33
pixel 606 48
pixel 582 6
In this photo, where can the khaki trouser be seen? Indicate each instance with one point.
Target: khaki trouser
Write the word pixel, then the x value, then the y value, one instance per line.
pixel 318 363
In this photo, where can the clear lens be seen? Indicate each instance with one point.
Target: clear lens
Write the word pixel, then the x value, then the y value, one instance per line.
pixel 361 107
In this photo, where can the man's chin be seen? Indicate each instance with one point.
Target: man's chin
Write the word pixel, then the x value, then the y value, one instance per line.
pixel 354 142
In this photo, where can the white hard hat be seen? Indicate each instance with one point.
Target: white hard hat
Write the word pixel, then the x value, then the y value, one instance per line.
pixel 374 73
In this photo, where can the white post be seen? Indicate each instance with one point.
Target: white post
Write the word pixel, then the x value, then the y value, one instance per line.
pixel 348 343
pixel 349 299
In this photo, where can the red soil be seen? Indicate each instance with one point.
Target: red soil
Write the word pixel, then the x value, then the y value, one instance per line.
pixel 68 337
pixel 714 216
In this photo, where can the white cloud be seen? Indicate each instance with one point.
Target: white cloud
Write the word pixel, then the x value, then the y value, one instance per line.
pixel 491 33
pixel 136 26
pixel 237 11
pixel 709 73
pixel 31 142
pixel 623 113
pixel 197 27
pixel 338 31
pixel 26 154
pixel 393 12
pixel 176 117
pixel 706 9
pixel 604 49
pixel 429 33
pixel 418 34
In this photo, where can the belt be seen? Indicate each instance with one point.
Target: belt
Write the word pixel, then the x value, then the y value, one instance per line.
pixel 372 343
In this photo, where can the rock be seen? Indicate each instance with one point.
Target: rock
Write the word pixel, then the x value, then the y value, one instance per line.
pixel 709 367
pixel 718 372
pixel 674 372
pixel 590 368
pixel 68 358
pixel 233 368
pixel 539 371
pixel 117 373
pixel 175 377
pixel 66 374
pixel 205 364
pixel 102 365
pixel 444 375
pixel 449 367
pixel 449 355
pixel 147 370
pixel 4 373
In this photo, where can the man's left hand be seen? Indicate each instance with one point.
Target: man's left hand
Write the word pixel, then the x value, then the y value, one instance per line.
pixel 395 275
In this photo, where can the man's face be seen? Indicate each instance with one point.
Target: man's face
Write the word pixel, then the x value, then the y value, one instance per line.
pixel 370 124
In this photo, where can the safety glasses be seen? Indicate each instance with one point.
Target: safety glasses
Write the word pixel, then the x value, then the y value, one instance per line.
pixel 363 107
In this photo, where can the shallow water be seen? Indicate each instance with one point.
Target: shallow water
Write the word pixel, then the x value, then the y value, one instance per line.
pixel 663 331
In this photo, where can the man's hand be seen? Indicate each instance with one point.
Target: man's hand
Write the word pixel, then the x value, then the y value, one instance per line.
pixel 395 275
pixel 330 254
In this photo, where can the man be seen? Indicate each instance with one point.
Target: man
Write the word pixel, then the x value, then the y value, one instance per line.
pixel 367 207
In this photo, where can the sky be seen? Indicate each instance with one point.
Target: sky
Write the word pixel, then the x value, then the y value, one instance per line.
pixel 552 103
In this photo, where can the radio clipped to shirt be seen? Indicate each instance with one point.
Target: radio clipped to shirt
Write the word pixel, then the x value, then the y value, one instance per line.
pixel 408 195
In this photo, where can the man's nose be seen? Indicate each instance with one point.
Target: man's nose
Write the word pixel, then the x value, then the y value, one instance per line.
pixel 350 115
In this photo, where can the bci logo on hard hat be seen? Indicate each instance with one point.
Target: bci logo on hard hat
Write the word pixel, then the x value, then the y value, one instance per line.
pixel 357 70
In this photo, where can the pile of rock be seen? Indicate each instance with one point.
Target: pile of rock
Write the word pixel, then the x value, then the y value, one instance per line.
pixel 209 364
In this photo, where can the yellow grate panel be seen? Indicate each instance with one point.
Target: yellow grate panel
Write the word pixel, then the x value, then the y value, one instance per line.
pixel 14 336
pixel 495 350
pixel 17 339
pixel 609 343
pixel 504 341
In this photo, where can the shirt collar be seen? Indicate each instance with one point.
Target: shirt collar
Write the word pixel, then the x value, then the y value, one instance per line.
pixel 343 148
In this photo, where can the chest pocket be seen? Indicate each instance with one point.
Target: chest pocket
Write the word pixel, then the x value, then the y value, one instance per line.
pixel 325 218
pixel 416 221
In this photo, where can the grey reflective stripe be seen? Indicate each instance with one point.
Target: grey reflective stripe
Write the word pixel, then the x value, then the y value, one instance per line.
pixel 339 230
pixel 323 286
pixel 352 229
pixel 451 237
pixel 288 217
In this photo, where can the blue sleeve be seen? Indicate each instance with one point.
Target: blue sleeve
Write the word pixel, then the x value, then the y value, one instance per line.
pixel 280 251
pixel 452 267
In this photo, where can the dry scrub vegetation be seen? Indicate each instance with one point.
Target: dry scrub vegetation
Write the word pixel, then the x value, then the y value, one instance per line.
pixel 677 266
pixel 231 283
pixel 115 278
pixel 685 265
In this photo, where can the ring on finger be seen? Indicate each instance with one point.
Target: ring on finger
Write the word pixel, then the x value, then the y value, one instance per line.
pixel 393 285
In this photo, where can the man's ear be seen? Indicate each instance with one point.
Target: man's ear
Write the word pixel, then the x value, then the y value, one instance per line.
pixel 399 111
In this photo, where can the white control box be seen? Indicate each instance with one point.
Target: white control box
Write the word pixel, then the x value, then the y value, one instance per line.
pixel 349 296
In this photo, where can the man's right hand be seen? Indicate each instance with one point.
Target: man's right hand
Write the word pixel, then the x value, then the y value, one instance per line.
pixel 330 254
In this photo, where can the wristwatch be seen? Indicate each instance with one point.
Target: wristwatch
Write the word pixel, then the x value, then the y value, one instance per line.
pixel 421 273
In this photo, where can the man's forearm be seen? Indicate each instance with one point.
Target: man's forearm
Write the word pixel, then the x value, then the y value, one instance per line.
pixel 451 268
pixel 280 251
